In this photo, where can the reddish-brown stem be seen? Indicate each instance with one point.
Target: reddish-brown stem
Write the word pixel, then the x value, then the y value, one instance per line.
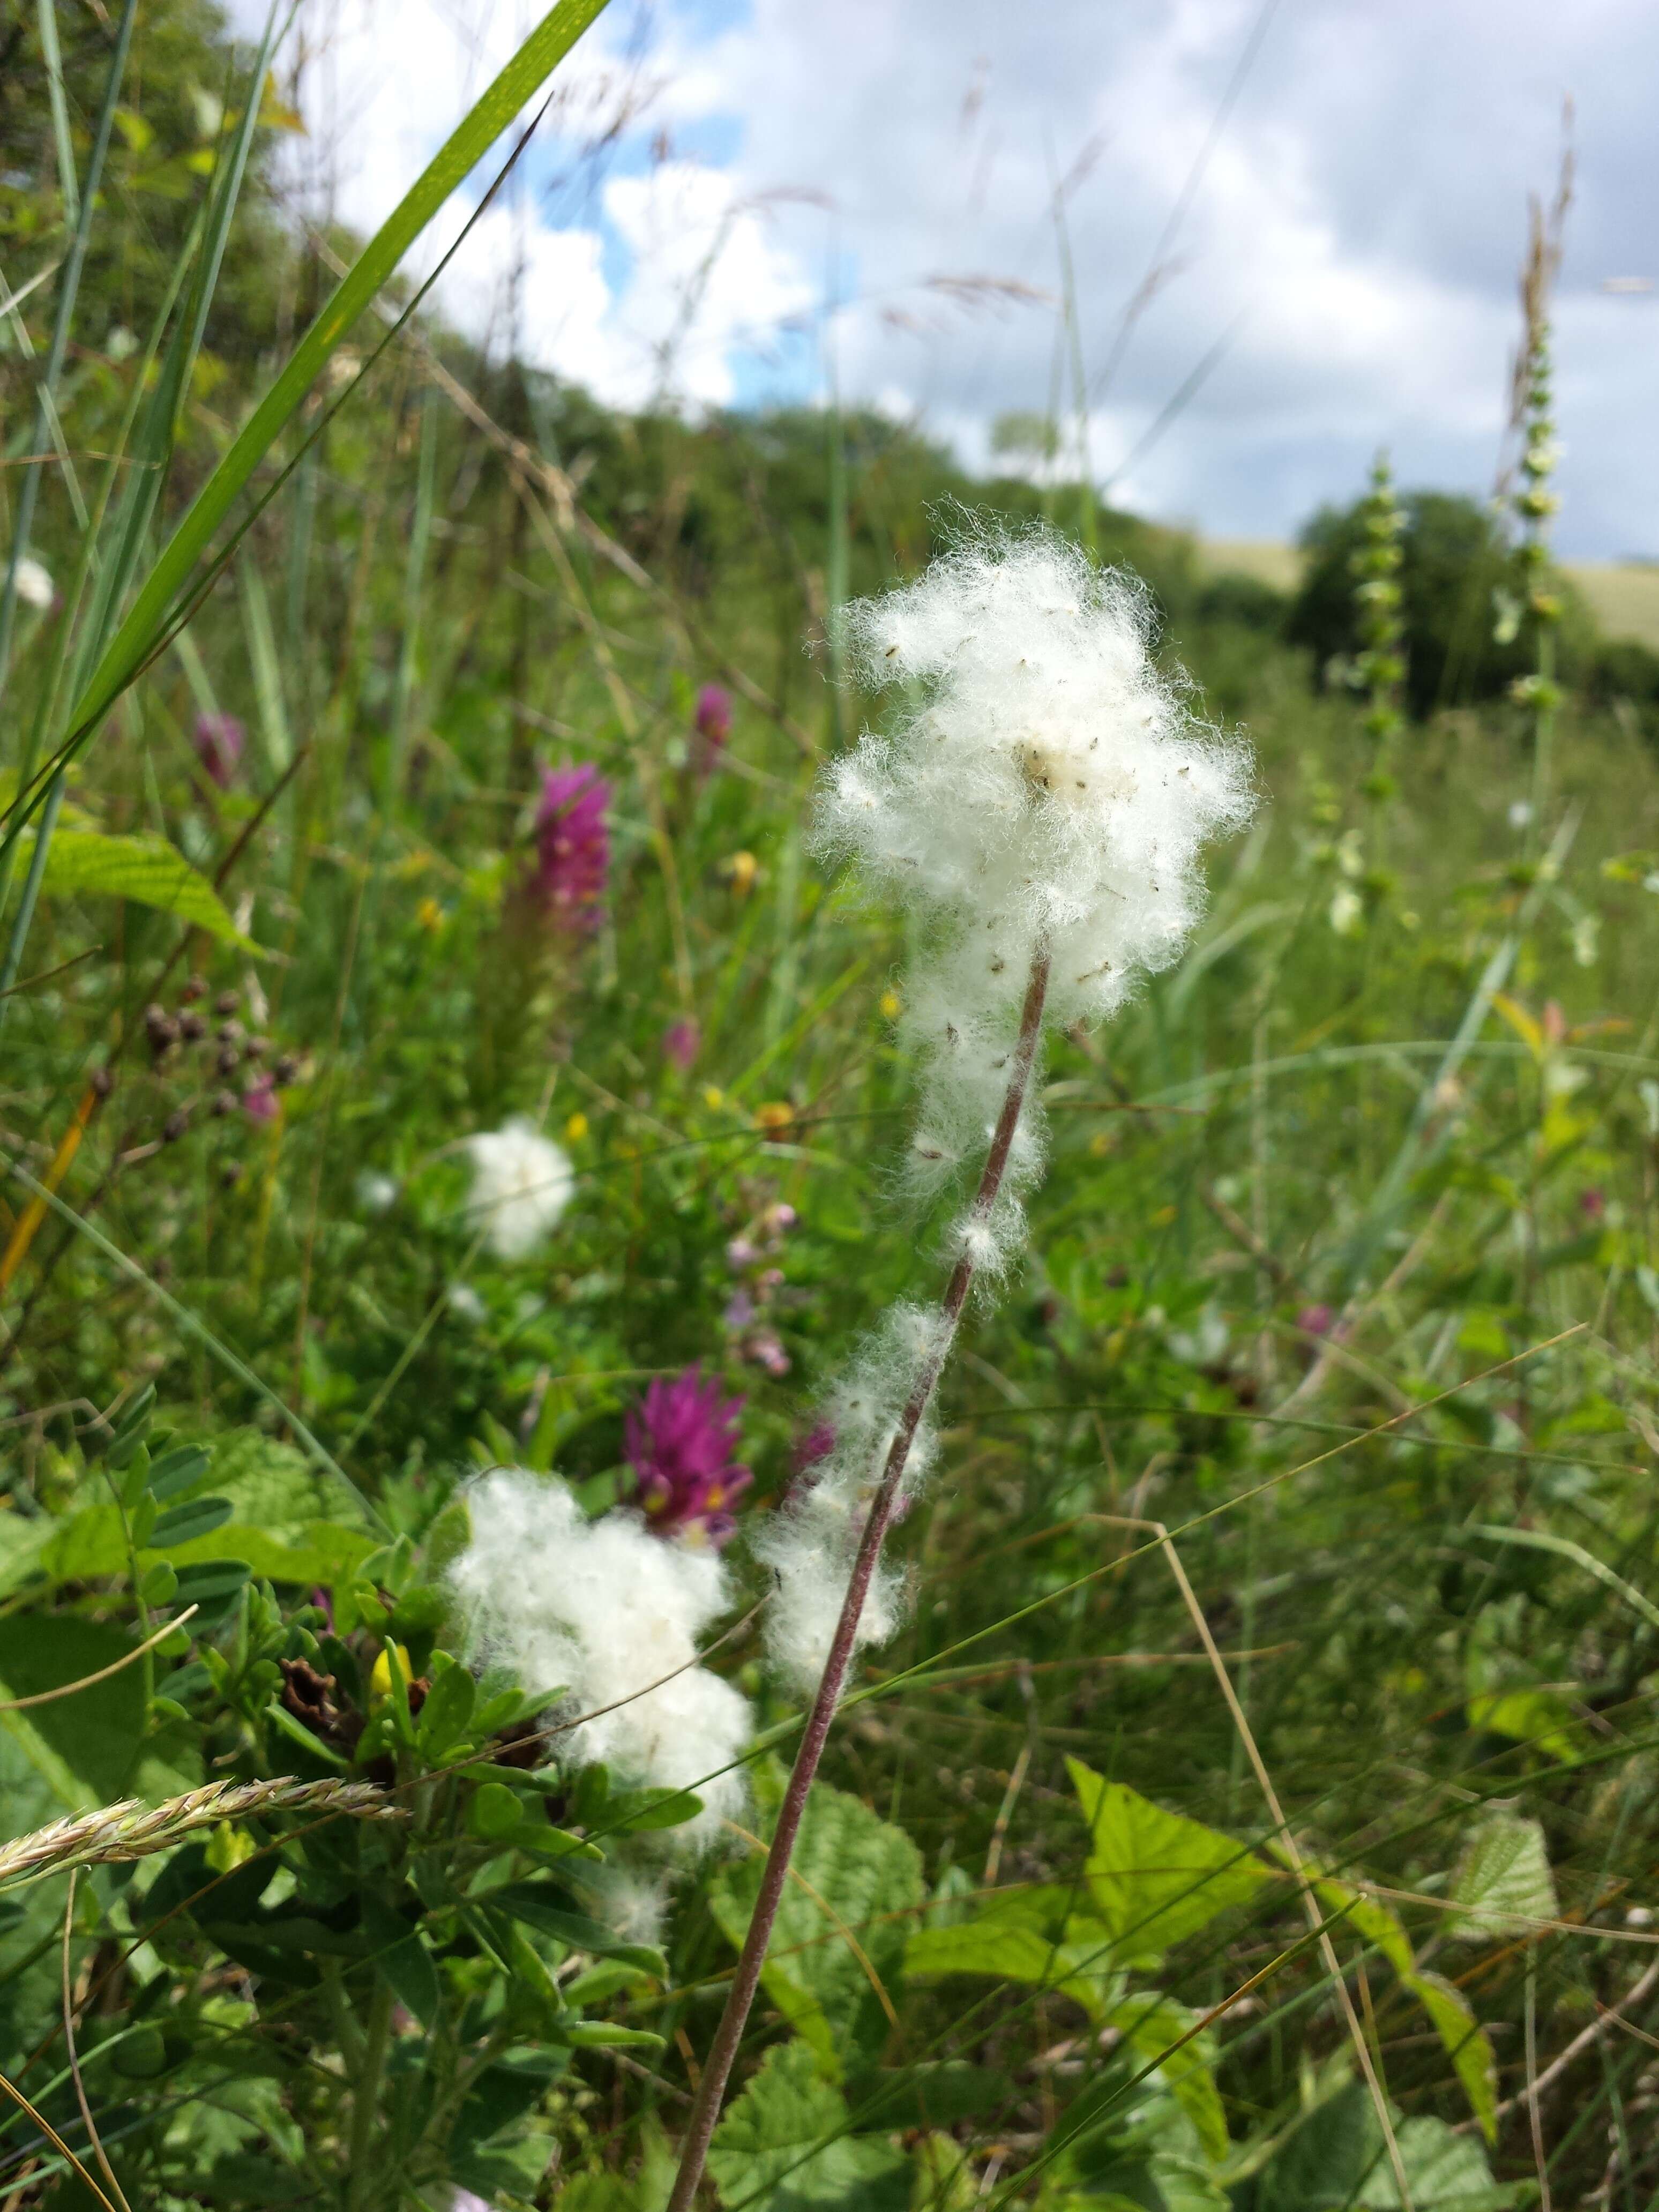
pixel 717 2067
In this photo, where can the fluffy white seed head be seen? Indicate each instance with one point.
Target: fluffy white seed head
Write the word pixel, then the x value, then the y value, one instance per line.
pixel 521 1184
pixel 811 1542
pixel 614 1616
pixel 1048 786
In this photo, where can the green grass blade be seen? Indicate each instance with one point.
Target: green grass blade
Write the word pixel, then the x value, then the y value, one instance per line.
pixel 68 286
pixel 68 183
pixel 466 146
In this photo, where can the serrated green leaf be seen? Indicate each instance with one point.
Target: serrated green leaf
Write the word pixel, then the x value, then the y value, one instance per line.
pixel 840 1928
pixel 1155 1876
pixel 1004 1951
pixel 1337 2162
pixel 1153 2026
pixel 92 863
pixel 1503 1882
pixel 783 2146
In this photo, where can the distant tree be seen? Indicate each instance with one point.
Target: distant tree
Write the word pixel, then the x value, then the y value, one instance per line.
pixel 185 76
pixel 1459 580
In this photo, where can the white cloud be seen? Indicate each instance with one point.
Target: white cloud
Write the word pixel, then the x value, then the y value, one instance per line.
pixel 1356 229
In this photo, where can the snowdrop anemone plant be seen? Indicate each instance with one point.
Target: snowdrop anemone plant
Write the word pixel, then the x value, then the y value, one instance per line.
pixel 521 1185
pixel 612 1615
pixel 1041 808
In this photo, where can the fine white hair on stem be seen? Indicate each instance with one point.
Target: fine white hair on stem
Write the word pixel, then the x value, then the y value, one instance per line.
pixel 811 1541
pixel 1046 786
pixel 521 1185
pixel 612 1615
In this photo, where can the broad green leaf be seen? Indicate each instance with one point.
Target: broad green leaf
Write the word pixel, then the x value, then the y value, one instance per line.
pixel 1004 1951
pixel 648 2190
pixel 782 2147
pixel 1466 2043
pixel 1337 2162
pixel 944 2179
pixel 94 1733
pixel 1156 1877
pixel 1503 1882
pixel 88 863
pixel 90 1545
pixel 840 1929
pixel 1153 2027
pixel 1537 1718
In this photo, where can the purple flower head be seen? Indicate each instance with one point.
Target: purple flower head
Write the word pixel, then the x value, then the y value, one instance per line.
pixel 742 1252
pixel 681 1042
pixel 573 846
pixel 219 742
pixel 680 1442
pixel 259 1099
pixel 818 1443
pixel 739 1310
pixel 714 716
pixel 1316 1321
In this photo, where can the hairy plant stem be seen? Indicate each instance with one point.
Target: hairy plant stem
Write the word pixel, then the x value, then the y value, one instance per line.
pixel 363 2170
pixel 717 2067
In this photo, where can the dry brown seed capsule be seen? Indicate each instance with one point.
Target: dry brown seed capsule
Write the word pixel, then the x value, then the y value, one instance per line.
pixel 285 1070
pixel 175 1126
pixel 101 1081
pixel 229 1060
pixel 257 1047
pixel 224 1102
pixel 231 1032
pixel 196 988
pixel 227 1002
pixel 192 1028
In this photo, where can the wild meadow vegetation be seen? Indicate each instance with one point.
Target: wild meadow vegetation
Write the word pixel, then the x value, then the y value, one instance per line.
pixel 432 1049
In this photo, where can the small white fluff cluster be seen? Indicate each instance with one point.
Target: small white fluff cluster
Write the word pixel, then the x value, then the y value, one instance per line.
pixel 35 585
pixel 811 1541
pixel 1048 786
pixel 613 1615
pixel 521 1184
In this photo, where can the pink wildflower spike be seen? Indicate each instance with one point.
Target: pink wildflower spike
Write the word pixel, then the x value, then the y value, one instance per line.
pixel 681 1443
pixel 572 847
pixel 219 742
pixel 259 1100
pixel 682 1040
pixel 714 724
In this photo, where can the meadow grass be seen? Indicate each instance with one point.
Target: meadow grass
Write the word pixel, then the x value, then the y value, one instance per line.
pixel 1343 1274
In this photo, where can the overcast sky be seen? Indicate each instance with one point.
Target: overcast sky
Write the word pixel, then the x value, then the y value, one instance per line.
pixel 793 191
